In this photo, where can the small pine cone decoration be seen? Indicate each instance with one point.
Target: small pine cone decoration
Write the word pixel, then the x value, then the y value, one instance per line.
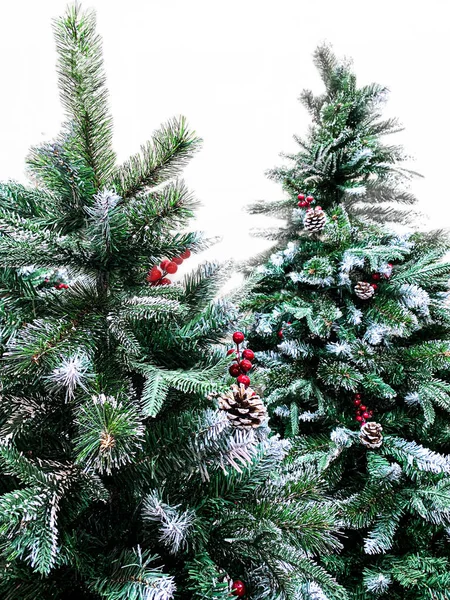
pixel 314 220
pixel 364 290
pixel 243 406
pixel 370 435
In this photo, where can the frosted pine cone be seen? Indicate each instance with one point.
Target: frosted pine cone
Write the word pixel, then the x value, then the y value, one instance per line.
pixel 370 435
pixel 314 220
pixel 243 406
pixel 364 290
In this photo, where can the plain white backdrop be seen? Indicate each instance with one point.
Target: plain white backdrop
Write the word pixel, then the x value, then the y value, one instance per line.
pixel 235 69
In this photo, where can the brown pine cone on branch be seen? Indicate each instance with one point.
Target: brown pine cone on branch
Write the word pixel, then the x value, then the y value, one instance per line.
pixel 315 220
pixel 364 290
pixel 243 407
pixel 370 435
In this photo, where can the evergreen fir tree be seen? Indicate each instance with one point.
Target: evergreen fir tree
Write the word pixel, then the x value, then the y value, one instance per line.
pixel 351 333
pixel 120 477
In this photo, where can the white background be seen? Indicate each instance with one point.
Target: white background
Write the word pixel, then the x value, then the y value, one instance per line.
pixel 235 69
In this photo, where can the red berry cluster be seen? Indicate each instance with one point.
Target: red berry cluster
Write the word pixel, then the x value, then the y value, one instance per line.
pixel 157 275
pixel 362 411
pixel 241 365
pixel 305 201
pixel 378 276
pixel 238 588
pixel 61 286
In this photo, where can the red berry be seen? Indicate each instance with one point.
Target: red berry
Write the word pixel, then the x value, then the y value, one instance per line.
pixel 171 268
pixel 280 334
pixel 185 254
pixel 309 199
pixel 165 281
pixel 390 265
pixel 376 277
pixel 231 351
pixel 301 197
pixel 245 365
pixel 238 588
pixel 164 264
pixel 356 402
pixel 238 337
pixel 374 285
pixel 234 370
pixel 288 323
pixel 359 418
pixel 245 379
pixel 302 204
pixel 362 407
pixel 154 274
pixel 363 421
pixel 366 415
pixel 248 354
pixel 177 260
pixel 318 208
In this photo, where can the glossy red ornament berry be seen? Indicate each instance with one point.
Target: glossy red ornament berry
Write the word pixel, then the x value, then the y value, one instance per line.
pixel 171 268
pixel 165 281
pixel 248 354
pixel 390 265
pixel 245 365
pixel 374 285
pixel 154 274
pixel 359 418
pixel 301 197
pixel 234 370
pixel 362 407
pixel 366 415
pixel 231 351
pixel 356 402
pixel 309 199
pixel 186 253
pixel 302 204
pixel 245 379
pixel 238 337
pixel 177 260
pixel 318 208
pixel 163 264
pixel 376 277
pixel 280 334
pixel 238 588
pixel 357 396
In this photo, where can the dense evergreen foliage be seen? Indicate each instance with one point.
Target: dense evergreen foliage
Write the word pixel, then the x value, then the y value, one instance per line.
pixel 351 323
pixel 119 477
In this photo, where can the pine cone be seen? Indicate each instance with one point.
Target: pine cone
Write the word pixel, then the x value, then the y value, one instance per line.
pixel 243 406
pixel 364 290
pixel 314 220
pixel 370 435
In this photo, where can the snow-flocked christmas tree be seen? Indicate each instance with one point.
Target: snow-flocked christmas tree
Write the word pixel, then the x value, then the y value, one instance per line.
pixel 351 335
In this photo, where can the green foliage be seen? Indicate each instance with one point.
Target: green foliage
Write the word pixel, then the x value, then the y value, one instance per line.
pixel 119 476
pixel 323 351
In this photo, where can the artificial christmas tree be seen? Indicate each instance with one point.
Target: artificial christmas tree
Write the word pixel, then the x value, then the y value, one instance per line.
pixel 355 319
pixel 120 478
